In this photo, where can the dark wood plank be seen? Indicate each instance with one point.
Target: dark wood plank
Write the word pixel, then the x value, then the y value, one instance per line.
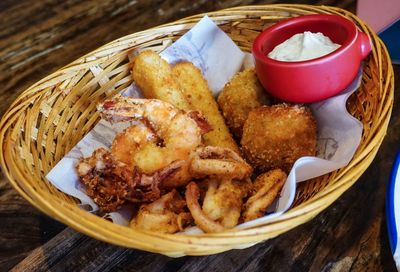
pixel 22 227
pixel 39 37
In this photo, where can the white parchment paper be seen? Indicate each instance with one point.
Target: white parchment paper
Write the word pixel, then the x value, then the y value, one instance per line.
pixel 210 49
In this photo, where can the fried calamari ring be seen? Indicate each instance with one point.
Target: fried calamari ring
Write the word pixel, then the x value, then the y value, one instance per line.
pixel 212 161
pixel 165 215
pixel 265 189
pixel 223 201
pixel 276 136
pixel 192 195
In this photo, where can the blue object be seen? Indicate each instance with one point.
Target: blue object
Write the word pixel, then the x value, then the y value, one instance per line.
pixel 393 210
pixel 391 37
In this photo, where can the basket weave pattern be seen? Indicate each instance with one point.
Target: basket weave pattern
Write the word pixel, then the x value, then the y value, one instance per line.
pixel 50 117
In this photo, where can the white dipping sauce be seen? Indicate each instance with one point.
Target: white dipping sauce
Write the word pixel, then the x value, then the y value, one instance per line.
pixel 303 46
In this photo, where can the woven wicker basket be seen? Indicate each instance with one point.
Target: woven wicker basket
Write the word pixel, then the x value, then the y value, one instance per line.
pixel 50 117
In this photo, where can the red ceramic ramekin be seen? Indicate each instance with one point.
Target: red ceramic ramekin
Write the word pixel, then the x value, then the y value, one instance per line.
pixel 311 80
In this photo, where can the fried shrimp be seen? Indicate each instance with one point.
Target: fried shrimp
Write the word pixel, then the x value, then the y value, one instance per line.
pixel 276 136
pixel 106 180
pixel 196 91
pixel 111 183
pixel 265 189
pixel 153 76
pixel 165 215
pixel 179 133
pixel 212 161
pixel 240 95
pixel 127 143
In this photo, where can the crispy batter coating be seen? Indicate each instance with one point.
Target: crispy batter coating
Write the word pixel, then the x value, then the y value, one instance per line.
pixel 223 201
pixel 129 142
pixel 199 96
pixel 106 180
pixel 153 75
pixel 179 132
pixel 182 138
pixel 276 136
pixel 166 215
pixel 204 222
pixel 239 96
pixel 265 189
pixel 112 183
pixel 218 162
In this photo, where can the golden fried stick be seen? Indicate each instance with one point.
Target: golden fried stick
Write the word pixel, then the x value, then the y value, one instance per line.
pixel 153 76
pixel 197 93
pixel 265 189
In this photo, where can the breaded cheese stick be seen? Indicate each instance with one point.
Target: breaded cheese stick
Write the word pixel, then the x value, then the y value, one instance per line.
pixel 198 94
pixel 153 76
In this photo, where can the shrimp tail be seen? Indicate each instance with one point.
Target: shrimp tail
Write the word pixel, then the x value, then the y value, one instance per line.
pixel 120 109
pixel 201 121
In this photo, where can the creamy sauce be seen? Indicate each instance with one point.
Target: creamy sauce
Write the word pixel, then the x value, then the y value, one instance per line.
pixel 303 46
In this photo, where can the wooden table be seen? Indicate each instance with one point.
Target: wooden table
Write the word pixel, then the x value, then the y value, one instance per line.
pixel 39 37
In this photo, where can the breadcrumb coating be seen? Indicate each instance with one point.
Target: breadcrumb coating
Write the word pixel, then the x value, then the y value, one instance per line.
pixel 276 136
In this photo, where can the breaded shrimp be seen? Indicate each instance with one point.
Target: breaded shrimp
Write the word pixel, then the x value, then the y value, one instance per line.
pixel 127 143
pixel 179 133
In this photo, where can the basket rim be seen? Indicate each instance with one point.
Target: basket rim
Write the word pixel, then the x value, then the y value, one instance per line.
pixel 320 201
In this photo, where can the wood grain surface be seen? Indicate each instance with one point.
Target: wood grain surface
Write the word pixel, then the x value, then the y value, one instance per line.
pixel 39 37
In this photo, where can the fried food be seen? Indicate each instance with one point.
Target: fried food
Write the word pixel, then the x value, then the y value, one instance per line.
pixel 127 143
pixel 276 136
pixel 107 181
pixel 265 189
pixel 223 201
pixel 153 76
pixel 240 95
pixel 180 138
pixel 111 183
pixel 165 215
pixel 205 223
pixel 179 133
pixel 199 96
pixel 218 162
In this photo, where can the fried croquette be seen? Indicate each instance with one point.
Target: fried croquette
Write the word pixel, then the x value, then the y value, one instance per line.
pixel 239 96
pixel 276 136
